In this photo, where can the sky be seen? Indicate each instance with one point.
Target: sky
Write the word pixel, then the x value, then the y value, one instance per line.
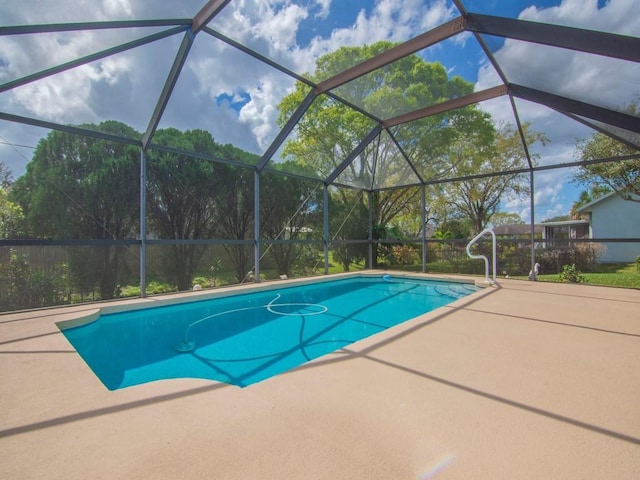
pixel 235 97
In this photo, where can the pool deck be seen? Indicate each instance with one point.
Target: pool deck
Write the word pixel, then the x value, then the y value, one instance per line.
pixel 526 380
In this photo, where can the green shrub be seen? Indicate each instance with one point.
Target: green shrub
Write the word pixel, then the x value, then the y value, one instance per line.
pixel 22 286
pixel 130 291
pixel 638 264
pixel 571 274
pixel 154 287
pixel 202 281
pixel 404 255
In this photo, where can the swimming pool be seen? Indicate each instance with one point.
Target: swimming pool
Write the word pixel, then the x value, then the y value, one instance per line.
pixel 246 338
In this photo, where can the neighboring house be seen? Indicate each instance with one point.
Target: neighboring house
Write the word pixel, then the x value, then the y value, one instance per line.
pixel 520 233
pixel 555 234
pixel 517 230
pixel 301 232
pixel 607 217
pixel 563 231
pixel 610 216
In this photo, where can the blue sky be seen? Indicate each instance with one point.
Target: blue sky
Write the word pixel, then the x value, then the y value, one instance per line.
pixel 235 97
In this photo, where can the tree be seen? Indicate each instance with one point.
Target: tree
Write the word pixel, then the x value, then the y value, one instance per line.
pixel 195 198
pixel 486 152
pixel 5 175
pixel 84 188
pixel 458 227
pixel 330 130
pixel 557 218
pixel 236 219
pixel 288 207
pixel 182 199
pixel 348 220
pixel 622 176
pixel 506 218
pixel 11 216
pixel 587 196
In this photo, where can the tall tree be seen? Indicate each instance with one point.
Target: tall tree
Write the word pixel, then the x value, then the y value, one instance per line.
pixel 348 220
pixel 196 198
pixel 586 196
pixel 622 176
pixel 330 130
pixel 487 152
pixel 506 218
pixel 5 175
pixel 182 199
pixel 11 215
pixel 236 217
pixel 84 188
pixel 288 207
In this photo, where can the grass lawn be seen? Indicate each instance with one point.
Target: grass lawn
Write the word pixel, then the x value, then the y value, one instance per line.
pixel 624 275
pixel 611 275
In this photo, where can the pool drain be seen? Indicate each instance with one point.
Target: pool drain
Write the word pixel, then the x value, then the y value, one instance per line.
pixel 185 346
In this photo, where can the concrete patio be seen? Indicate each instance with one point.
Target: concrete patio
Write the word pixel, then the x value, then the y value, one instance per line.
pixel 522 381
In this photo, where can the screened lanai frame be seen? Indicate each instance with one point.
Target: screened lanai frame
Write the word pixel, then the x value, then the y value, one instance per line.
pixel 622 126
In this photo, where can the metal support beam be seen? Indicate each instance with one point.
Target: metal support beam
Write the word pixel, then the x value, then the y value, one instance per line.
pixel 286 130
pixel 613 133
pixel 258 56
pixel 523 140
pixel 88 59
pixel 256 226
pixel 143 224
pixel 69 129
pixel 370 201
pixel 418 43
pixel 589 41
pixel 424 229
pixel 77 26
pixel 459 102
pixel 405 156
pixel 532 207
pixel 172 78
pixel 564 104
pixel 206 13
pixel 326 229
pixel 540 168
pixel 361 146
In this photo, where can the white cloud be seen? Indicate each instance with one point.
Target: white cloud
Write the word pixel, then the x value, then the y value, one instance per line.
pixel 66 98
pixel 616 16
pixel 220 70
pixel 272 28
pixel 601 80
pixel 436 14
pixel 279 28
pixel 324 7
pixel 260 113
pixel 134 81
pixel 117 8
pixel 550 199
pixel 595 79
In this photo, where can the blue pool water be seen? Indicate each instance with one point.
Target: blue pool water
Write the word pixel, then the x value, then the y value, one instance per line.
pixel 243 339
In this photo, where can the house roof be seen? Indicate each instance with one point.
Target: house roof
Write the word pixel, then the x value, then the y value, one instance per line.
pixel 517 229
pixel 589 206
pixel 565 222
